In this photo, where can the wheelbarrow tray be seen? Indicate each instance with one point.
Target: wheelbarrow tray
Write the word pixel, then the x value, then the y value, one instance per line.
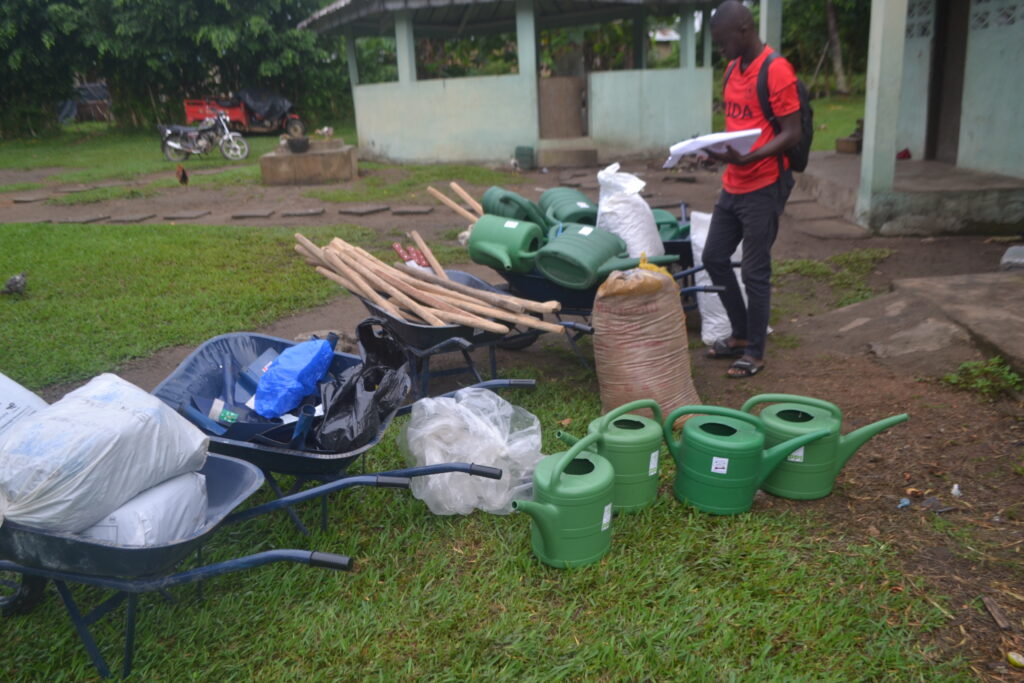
pixel 420 336
pixel 229 483
pixel 200 374
pixel 536 287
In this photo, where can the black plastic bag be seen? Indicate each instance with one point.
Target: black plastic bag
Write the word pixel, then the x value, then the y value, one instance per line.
pixel 361 398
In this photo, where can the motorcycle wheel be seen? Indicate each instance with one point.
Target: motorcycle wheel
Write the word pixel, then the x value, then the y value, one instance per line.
pixel 19 593
pixel 173 154
pixel 295 128
pixel 234 148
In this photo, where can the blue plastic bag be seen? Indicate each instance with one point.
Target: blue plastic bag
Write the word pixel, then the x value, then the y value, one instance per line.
pixel 292 376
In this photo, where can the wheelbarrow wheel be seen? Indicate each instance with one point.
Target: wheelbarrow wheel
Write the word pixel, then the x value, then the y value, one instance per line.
pixel 19 593
pixel 518 339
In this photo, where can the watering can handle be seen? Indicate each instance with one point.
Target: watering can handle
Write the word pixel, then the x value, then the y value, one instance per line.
pixel 791 398
pixel 569 456
pixel 629 407
pixel 703 410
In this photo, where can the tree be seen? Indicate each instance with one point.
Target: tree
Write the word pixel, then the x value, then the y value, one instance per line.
pixel 836 46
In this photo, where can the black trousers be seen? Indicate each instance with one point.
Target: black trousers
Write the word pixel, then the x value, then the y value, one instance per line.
pixel 752 218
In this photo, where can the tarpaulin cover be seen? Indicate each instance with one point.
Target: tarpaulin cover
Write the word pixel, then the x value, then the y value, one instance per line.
pixel 265 104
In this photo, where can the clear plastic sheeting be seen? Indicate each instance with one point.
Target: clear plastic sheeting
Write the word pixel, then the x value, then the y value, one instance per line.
pixel 622 211
pixel 478 426
pixel 168 512
pixel 69 465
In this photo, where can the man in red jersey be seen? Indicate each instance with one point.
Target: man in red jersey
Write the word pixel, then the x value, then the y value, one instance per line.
pixel 755 185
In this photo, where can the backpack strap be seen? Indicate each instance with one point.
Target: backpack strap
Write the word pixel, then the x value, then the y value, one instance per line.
pixel 766 103
pixel 728 72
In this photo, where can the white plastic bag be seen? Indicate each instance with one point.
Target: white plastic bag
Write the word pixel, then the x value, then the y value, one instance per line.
pixel 168 512
pixel 16 402
pixel 478 426
pixel 621 210
pixel 72 463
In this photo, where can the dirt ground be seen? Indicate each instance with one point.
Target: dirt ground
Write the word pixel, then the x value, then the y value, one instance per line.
pixel 968 548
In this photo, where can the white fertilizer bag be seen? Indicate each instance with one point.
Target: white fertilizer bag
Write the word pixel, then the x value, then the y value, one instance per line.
pixel 714 323
pixel 71 464
pixel 168 512
pixel 476 425
pixel 16 402
pixel 621 210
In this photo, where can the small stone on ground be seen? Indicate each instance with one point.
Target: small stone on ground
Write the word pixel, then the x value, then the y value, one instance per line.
pixel 132 218
pixel 185 215
pixel 411 210
pixel 302 212
pixel 252 214
pixel 363 209
pixel 29 199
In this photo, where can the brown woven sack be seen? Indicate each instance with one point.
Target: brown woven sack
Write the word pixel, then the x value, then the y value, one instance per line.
pixel 640 344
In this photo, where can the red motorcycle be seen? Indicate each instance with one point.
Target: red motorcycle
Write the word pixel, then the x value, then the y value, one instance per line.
pixel 250 111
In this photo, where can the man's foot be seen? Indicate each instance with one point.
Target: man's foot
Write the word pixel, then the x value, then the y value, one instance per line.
pixel 730 347
pixel 745 367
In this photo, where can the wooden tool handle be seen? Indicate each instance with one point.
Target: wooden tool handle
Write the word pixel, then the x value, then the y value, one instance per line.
pixel 452 205
pixel 467 197
pixel 434 264
pixel 502 300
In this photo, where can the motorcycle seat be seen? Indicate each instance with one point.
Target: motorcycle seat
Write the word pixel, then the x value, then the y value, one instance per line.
pixel 180 130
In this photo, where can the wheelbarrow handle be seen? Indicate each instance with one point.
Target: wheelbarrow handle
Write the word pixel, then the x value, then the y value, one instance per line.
pixel 330 561
pixel 485 471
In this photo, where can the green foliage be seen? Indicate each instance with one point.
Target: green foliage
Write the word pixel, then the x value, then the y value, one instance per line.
pixel 990 379
pixel 486 55
pixel 376 60
pixel 805 33
pixel 37 56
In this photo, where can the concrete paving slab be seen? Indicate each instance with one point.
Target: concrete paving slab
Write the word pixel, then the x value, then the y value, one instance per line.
pixel 132 218
pixel 252 214
pixel 810 211
pixel 363 209
pixel 185 215
pixel 829 229
pixel 85 219
pixel 989 305
pixel 302 213
pixel 28 199
pixel 411 210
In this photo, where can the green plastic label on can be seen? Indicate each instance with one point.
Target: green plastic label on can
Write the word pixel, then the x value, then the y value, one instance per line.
pixel 653 468
pixel 797 455
pixel 606 520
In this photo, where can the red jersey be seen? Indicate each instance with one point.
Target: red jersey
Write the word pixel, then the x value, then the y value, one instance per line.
pixel 743 111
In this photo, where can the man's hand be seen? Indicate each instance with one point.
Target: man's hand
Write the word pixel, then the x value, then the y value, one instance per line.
pixel 729 156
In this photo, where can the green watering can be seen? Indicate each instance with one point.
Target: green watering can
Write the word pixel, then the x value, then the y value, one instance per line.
pixel 571 506
pixel 669 228
pixel 721 460
pixel 632 444
pixel 505 243
pixel 502 202
pixel 568 205
pixel 582 256
pixel 810 472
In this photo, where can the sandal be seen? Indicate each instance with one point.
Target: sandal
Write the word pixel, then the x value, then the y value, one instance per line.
pixel 722 349
pixel 743 368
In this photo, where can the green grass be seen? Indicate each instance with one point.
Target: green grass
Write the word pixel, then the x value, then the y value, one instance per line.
pixel 834 117
pixel 20 187
pixel 681 596
pixel 100 295
pixel 846 274
pixel 93 152
pixel 407 181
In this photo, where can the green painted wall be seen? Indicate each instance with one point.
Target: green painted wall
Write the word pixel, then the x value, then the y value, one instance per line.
pixel 991 117
pixel 458 119
pixel 633 112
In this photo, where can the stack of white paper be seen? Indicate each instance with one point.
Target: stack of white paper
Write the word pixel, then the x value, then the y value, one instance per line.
pixel 739 140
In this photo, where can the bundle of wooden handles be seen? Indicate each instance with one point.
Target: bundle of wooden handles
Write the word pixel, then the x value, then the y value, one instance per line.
pixel 420 297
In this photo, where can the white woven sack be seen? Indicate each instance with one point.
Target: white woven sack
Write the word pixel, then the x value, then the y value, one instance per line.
pixel 621 210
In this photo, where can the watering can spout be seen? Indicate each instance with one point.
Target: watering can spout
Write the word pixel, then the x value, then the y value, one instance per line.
pixel 544 514
pixel 567 438
pixel 849 444
pixel 775 455
pixel 497 252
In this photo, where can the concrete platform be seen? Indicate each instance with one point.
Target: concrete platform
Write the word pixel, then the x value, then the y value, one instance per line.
pixel 566 152
pixel 326 161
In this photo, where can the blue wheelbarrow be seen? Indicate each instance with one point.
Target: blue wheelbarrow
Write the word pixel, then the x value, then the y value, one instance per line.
pixel 29 558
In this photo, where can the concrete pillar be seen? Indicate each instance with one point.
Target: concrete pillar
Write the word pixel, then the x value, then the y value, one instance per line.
pixel 687 38
pixel 705 30
pixel 405 47
pixel 882 103
pixel 640 38
pixel 526 39
pixel 771 23
pixel 350 57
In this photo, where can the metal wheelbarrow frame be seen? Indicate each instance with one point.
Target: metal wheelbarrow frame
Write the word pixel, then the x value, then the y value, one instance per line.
pixel 129 571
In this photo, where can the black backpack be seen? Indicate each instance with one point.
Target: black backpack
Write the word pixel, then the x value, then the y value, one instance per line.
pixel 799 153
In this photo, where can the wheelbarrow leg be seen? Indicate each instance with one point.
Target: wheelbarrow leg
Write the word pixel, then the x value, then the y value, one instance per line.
pixel 129 634
pixel 276 488
pixel 83 629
